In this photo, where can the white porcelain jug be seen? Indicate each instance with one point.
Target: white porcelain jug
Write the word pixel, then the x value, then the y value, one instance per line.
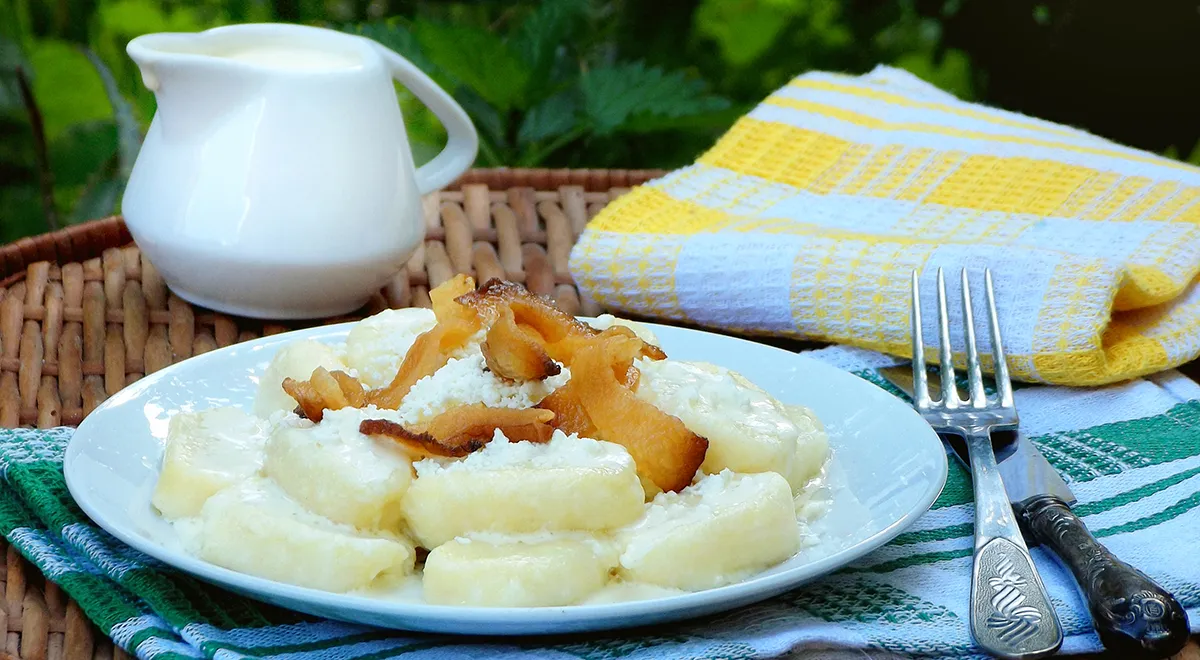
pixel 276 179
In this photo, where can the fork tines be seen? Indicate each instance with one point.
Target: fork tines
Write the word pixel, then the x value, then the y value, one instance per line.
pixel 949 395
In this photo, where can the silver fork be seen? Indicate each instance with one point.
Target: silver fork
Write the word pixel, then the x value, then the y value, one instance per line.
pixel 1011 614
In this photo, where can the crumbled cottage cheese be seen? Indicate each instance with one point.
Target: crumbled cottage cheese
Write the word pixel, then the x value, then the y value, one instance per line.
pixel 465 380
pixel 377 345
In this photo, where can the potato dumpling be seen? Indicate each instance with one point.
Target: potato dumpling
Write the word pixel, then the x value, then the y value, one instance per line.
pixel 333 470
pixel 550 573
pixel 296 360
pixel 567 484
pixel 206 452
pixel 748 430
pixel 812 451
pixel 715 532
pixel 377 344
pixel 255 528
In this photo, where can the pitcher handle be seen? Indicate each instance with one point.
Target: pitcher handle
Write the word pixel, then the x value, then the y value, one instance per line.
pixel 463 142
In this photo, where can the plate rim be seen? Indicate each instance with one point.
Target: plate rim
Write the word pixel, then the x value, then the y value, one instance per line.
pixel 524 620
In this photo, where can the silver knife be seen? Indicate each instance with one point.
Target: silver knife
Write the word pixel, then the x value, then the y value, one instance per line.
pixel 1133 615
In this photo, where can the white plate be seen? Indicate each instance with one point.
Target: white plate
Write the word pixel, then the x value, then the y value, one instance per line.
pixel 888 467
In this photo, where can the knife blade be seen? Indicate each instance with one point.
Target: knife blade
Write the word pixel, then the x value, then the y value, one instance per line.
pixel 1132 614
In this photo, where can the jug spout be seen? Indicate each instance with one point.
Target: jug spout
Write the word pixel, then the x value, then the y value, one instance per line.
pixel 148 54
pixel 192 88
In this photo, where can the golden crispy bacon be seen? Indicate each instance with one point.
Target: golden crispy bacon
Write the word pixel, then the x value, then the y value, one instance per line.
pixel 569 413
pixel 527 338
pixel 416 442
pixel 560 333
pixel 467 423
pixel 465 429
pixel 596 403
pixel 432 350
pixel 516 353
pixel 325 390
pixel 530 310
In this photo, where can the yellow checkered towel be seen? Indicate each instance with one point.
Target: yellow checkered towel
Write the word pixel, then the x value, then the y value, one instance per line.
pixel 808 217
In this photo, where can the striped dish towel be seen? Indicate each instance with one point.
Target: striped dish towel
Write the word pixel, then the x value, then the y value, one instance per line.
pixel 1131 453
pixel 808 216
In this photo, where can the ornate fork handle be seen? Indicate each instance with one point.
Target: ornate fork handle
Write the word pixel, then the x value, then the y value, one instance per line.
pixel 1134 616
pixel 1011 613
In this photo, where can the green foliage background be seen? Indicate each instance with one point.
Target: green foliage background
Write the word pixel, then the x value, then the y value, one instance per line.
pixel 579 83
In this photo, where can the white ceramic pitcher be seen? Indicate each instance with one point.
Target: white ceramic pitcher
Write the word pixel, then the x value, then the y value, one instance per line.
pixel 276 179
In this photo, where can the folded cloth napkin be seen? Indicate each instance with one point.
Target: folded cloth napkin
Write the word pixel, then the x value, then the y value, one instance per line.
pixel 1131 453
pixel 808 216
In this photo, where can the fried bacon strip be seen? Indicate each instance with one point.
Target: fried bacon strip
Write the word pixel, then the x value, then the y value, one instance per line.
pixel 416 442
pixel 598 404
pixel 431 351
pixel 352 389
pixel 470 422
pixel 560 333
pixel 529 309
pixel 514 352
pixel 325 390
pixel 569 413
pixel 527 339
pixel 465 429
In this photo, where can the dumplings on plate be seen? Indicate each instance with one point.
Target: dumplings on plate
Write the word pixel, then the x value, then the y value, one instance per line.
pixel 495 452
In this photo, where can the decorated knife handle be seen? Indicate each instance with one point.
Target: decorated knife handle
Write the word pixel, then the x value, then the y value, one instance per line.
pixel 1133 615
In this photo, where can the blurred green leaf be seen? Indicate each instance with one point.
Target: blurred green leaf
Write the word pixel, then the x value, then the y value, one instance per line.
pixel 81 150
pixel 11 53
pixel 131 18
pixel 72 18
pixel 493 139
pixel 712 122
pixel 11 59
pixel 423 151
pixel 612 95
pixel 426 135
pixel 129 133
pixel 66 87
pixel 16 24
pixel 549 119
pixel 476 59
pixel 397 37
pixel 16 146
pixel 487 120
pixel 544 32
pixel 743 30
pixel 99 199
pixel 20 212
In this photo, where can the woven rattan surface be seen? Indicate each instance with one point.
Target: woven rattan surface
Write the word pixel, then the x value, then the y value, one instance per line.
pixel 82 315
